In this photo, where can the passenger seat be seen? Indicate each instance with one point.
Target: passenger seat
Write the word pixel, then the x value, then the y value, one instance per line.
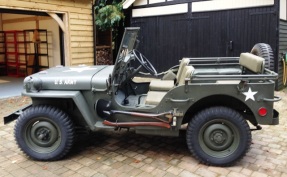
pixel 165 85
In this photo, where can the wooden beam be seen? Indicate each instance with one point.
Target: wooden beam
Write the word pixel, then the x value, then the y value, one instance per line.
pixel 127 3
pixel 67 41
pixel 25 19
pixel 1 22
pixel 37 22
pixel 58 20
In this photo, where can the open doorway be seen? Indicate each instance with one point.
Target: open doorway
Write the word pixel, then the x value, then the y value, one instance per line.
pixel 30 41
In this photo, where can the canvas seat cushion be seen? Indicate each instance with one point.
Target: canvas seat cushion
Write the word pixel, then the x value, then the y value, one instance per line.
pixel 161 85
pixel 184 62
pixel 186 74
pixel 252 62
pixel 169 75
pixel 154 97
pixel 217 71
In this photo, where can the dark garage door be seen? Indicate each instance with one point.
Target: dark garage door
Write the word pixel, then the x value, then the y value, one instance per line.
pixel 167 39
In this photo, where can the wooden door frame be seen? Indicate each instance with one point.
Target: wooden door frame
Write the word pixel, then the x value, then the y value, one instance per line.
pixel 63 22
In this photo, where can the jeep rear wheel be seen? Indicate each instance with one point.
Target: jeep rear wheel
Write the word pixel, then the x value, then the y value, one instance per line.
pixel 218 136
pixel 44 133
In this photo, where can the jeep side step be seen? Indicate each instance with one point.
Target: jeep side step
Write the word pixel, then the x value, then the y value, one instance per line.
pixel 135 124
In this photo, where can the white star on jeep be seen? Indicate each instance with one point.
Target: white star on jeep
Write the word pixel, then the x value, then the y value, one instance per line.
pixel 80 69
pixel 249 94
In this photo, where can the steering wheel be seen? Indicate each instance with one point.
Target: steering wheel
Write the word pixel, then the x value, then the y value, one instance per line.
pixel 144 62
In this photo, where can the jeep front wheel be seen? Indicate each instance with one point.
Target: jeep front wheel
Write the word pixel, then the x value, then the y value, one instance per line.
pixel 218 136
pixel 44 133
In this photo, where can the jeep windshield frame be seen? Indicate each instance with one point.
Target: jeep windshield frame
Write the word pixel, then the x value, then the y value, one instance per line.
pixel 124 55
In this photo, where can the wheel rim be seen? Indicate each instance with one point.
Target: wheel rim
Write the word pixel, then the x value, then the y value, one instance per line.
pixel 42 135
pixel 219 138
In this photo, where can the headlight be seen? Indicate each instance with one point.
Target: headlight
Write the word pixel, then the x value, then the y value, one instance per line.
pixel 32 84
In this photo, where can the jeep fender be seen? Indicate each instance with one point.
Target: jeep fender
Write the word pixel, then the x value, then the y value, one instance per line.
pixel 220 100
pixel 76 96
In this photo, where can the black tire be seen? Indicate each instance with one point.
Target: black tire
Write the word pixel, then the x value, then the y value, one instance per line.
pixel 218 136
pixel 44 133
pixel 265 51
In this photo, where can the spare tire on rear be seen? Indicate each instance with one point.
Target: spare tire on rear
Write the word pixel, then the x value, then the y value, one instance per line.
pixel 265 51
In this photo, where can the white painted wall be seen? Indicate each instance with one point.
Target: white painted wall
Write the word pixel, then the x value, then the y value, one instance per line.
pixel 215 5
pixel 140 2
pixel 200 6
pixel 156 1
pixel 283 6
pixel 50 25
pixel 161 10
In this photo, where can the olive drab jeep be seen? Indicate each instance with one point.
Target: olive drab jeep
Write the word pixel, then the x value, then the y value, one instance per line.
pixel 215 97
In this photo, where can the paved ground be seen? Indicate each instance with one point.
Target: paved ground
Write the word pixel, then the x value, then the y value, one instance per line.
pixel 10 86
pixel 124 153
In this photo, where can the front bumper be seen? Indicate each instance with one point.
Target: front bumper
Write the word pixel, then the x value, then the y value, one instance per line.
pixel 15 115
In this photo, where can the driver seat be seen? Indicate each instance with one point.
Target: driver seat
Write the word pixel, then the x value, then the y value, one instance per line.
pixel 166 85
pixel 155 97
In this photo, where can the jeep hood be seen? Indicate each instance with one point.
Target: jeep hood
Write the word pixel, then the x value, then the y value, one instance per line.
pixel 85 77
pixel 69 78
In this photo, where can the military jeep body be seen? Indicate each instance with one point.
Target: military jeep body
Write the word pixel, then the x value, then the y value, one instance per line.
pixel 214 97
